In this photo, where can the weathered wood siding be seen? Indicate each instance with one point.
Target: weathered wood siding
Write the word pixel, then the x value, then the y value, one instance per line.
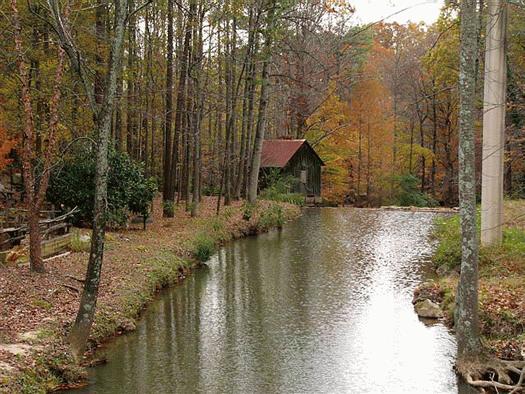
pixel 305 159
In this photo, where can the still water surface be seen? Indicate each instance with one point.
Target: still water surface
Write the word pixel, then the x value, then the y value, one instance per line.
pixel 323 306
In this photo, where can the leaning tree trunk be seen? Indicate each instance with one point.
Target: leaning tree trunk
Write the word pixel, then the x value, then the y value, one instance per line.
pixel 466 319
pixel 494 125
pixel 86 313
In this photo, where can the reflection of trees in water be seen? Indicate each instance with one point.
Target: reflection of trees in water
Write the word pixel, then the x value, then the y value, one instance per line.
pixel 286 311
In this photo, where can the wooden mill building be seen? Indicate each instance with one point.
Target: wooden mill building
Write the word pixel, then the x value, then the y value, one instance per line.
pixel 296 158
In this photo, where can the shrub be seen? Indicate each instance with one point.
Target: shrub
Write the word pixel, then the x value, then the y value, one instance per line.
pixel 409 193
pixel 168 208
pixel 210 190
pixel 129 190
pixel 203 247
pixel 448 251
pixel 248 211
pixel 278 189
pixel 271 217
pixel 290 198
pixel 219 230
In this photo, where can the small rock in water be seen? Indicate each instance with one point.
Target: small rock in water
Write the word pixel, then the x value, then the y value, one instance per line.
pixel 428 309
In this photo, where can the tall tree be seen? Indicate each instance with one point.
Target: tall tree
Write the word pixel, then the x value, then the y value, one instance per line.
pixel 263 104
pixel 103 117
pixel 467 319
pixel 36 178
pixel 167 189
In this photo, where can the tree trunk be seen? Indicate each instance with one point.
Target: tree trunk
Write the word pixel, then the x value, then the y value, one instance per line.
pixel 35 240
pixel 167 188
pixel 466 314
pixel 36 184
pixel 86 313
pixel 130 113
pixel 494 125
pixel 434 140
pixel 180 112
pixel 263 105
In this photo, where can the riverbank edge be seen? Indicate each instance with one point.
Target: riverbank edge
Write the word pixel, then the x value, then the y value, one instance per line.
pixel 50 366
pixel 502 274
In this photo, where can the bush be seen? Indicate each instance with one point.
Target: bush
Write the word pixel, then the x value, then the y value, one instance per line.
pixel 290 198
pixel 279 187
pixel 248 211
pixel 128 188
pixel 272 217
pixel 203 247
pixel 409 193
pixel 168 208
pixel 448 252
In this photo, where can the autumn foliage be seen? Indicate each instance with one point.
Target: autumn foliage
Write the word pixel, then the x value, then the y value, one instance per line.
pixel 6 145
pixel 354 135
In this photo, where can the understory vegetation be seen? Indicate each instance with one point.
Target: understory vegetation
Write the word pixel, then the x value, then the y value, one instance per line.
pixel 408 193
pixel 161 256
pixel 279 188
pixel 129 189
pixel 502 278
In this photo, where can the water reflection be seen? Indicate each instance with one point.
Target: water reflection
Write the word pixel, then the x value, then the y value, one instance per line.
pixel 323 306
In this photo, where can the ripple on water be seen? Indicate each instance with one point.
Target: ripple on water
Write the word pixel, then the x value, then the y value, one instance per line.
pixel 322 306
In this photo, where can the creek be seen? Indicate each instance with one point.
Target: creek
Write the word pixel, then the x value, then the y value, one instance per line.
pixel 321 306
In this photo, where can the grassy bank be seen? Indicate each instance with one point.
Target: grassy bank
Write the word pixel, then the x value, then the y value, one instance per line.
pixel 502 281
pixel 33 355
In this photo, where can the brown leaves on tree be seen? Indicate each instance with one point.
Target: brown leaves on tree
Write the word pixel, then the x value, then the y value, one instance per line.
pixel 6 145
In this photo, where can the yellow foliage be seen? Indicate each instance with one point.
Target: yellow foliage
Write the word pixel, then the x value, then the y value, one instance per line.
pixel 354 136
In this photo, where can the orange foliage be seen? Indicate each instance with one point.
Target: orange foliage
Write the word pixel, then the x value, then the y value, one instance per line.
pixel 6 144
pixel 354 136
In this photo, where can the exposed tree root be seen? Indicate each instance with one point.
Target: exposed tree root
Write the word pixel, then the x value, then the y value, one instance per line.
pixel 494 375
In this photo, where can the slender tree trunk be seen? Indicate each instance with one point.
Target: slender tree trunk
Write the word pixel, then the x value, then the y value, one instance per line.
pixel 423 159
pixel 434 140
pixel 411 152
pixel 251 117
pixel 359 156
pixel 167 190
pixel 86 313
pixel 180 112
pixel 466 317
pixel 131 87
pixel 228 79
pixel 263 105
pixel 36 184
pixel 368 163
pixel 35 239
pixel 119 130
pixel 197 113
pixel 494 125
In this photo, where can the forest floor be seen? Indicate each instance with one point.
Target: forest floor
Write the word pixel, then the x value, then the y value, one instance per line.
pixel 37 310
pixel 502 282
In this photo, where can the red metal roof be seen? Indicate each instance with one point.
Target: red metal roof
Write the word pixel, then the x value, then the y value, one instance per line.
pixel 277 153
